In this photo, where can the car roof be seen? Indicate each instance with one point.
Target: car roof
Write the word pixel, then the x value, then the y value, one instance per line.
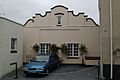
pixel 48 55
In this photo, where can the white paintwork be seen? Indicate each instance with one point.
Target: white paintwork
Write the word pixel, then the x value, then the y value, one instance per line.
pixel 10 29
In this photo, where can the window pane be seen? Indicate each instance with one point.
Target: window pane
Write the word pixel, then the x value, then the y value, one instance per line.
pixel 73 49
pixel 59 19
pixel 69 49
pixel 75 54
pixel 14 43
pixel 44 48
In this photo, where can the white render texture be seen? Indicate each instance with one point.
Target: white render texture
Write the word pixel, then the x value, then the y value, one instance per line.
pixel 10 29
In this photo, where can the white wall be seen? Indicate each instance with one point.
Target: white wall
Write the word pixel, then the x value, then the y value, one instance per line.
pixel 9 29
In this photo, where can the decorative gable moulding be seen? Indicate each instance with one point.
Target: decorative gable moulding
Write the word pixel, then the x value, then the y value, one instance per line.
pixel 68 18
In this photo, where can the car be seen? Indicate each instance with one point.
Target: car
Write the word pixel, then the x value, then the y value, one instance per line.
pixel 42 64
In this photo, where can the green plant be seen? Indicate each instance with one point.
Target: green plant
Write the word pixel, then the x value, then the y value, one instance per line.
pixel 83 48
pixel 64 48
pixel 116 51
pixel 36 47
pixel 54 49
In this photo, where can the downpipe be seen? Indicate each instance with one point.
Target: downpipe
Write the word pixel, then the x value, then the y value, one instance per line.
pixel 111 42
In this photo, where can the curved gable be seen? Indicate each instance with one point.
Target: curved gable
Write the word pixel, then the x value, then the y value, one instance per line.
pixel 77 14
pixel 68 18
pixel 30 20
pixel 59 6
pixel 90 19
pixel 43 15
pixel 80 19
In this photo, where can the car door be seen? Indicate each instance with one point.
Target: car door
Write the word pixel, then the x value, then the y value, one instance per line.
pixel 51 62
pixel 56 60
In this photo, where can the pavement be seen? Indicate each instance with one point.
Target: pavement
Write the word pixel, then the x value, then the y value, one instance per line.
pixel 64 72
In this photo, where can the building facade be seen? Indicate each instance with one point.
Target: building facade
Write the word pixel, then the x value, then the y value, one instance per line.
pixel 60 26
pixel 106 31
pixel 11 45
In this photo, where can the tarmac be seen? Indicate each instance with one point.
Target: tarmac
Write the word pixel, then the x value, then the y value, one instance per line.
pixel 64 72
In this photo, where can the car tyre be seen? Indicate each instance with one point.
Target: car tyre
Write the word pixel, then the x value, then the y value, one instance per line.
pixel 27 75
pixel 58 65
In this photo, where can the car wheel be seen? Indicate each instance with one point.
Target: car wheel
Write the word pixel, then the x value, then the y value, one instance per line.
pixel 27 75
pixel 58 64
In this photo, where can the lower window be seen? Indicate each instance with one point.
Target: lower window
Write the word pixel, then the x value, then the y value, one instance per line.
pixel 73 49
pixel 44 48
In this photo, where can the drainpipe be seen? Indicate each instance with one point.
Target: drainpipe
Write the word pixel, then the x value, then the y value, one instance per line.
pixel 101 42
pixel 111 41
pixel 101 54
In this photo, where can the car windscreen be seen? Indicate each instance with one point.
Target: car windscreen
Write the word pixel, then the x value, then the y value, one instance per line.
pixel 42 58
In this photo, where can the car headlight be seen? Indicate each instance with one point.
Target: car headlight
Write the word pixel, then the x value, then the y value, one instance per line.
pixel 40 68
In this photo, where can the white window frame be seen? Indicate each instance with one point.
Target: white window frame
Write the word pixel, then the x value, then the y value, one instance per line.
pixel 13 44
pixel 59 20
pixel 45 48
pixel 73 49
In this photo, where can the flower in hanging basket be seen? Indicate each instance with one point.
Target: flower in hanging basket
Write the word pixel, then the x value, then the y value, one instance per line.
pixel 54 49
pixel 64 48
pixel 36 47
pixel 83 48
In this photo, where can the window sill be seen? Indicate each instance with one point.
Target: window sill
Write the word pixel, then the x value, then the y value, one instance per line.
pixel 59 25
pixel 92 58
pixel 72 57
pixel 13 51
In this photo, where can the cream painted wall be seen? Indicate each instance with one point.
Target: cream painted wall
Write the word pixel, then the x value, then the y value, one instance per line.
pixel 41 21
pixel 105 29
pixel 104 11
pixel 78 21
pixel 73 29
pixel 88 35
pixel 9 29
pixel 82 35
pixel 116 28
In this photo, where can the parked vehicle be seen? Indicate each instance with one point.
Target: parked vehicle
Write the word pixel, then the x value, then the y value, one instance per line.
pixel 42 64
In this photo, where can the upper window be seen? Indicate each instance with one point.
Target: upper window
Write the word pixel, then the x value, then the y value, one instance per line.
pixel 59 20
pixel 73 50
pixel 44 48
pixel 13 45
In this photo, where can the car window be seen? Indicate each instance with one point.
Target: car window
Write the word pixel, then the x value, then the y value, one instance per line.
pixel 52 58
pixel 56 57
pixel 42 58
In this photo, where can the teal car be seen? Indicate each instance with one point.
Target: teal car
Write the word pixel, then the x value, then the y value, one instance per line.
pixel 42 65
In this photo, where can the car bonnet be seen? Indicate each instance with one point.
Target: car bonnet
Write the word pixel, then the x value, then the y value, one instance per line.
pixel 36 64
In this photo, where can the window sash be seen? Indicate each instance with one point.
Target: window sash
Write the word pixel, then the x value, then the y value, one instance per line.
pixel 59 19
pixel 73 50
pixel 13 43
pixel 44 48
